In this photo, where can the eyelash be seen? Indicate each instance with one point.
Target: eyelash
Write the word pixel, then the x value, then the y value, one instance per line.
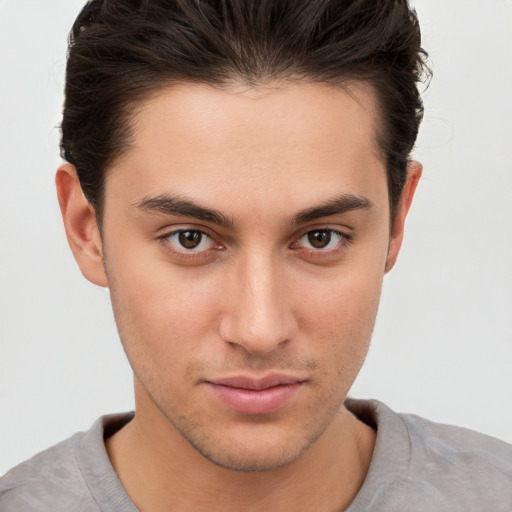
pixel 345 240
pixel 189 255
pixel 184 253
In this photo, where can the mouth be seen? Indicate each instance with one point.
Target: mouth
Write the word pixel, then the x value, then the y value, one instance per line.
pixel 248 395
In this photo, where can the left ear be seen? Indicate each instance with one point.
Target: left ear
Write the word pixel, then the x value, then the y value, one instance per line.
pixel 414 170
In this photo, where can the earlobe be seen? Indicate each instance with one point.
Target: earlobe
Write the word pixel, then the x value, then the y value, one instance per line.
pixel 82 230
pixel 414 170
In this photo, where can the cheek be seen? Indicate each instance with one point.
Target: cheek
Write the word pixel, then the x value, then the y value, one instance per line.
pixel 161 311
pixel 338 316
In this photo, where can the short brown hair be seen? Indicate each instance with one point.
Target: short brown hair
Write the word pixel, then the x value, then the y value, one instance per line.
pixel 123 51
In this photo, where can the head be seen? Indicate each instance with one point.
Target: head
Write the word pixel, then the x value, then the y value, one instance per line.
pixel 122 53
pixel 234 170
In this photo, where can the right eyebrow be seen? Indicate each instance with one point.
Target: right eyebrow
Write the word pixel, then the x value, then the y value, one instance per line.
pixel 175 205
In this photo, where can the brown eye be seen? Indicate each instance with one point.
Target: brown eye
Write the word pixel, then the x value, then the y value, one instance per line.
pixel 190 243
pixel 190 239
pixel 323 240
pixel 319 239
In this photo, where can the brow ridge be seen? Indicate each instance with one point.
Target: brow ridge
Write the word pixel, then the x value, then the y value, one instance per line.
pixel 337 206
pixel 176 205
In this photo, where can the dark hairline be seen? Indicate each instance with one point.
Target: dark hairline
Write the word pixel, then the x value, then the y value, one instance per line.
pixel 134 107
pixel 123 53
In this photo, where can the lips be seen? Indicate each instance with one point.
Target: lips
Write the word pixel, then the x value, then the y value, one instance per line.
pixel 247 395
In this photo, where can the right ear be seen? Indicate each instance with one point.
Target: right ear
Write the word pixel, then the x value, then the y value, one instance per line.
pixel 80 224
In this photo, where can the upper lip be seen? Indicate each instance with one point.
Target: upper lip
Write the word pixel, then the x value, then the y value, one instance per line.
pixel 269 381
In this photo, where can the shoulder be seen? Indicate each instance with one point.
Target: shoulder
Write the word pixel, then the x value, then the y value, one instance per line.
pixel 462 461
pixel 45 480
pixel 457 446
pixel 436 466
pixel 75 474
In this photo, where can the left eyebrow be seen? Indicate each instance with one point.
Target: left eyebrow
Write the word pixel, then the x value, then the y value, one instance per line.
pixel 336 206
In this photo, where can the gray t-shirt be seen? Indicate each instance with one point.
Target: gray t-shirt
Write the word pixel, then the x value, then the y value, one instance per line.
pixel 417 466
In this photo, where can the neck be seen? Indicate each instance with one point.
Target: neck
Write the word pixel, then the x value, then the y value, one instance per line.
pixel 160 470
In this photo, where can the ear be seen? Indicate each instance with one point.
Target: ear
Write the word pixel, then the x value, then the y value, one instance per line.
pixel 414 170
pixel 80 224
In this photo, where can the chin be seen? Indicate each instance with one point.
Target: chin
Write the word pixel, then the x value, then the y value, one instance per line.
pixel 261 451
pixel 235 459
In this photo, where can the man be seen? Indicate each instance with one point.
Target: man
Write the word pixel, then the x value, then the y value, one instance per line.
pixel 238 175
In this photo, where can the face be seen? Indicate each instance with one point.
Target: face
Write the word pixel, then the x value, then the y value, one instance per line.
pixel 245 237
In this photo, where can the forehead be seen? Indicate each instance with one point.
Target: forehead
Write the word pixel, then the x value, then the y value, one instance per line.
pixel 221 143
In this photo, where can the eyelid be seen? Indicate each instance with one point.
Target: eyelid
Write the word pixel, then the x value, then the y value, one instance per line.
pixel 189 254
pixel 177 228
pixel 204 240
pixel 346 238
pixel 344 231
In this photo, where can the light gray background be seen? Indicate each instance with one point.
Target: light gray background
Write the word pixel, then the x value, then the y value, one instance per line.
pixel 443 343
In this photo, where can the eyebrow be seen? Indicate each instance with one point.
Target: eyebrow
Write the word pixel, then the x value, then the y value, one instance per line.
pixel 176 205
pixel 337 206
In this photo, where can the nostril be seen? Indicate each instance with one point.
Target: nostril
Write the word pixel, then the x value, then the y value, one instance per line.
pixel 256 337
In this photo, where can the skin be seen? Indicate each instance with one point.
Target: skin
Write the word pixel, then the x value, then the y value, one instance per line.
pixel 254 298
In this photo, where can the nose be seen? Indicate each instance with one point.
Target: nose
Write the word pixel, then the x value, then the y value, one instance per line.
pixel 258 314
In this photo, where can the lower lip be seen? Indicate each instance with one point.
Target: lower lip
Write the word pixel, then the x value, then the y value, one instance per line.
pixel 252 401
